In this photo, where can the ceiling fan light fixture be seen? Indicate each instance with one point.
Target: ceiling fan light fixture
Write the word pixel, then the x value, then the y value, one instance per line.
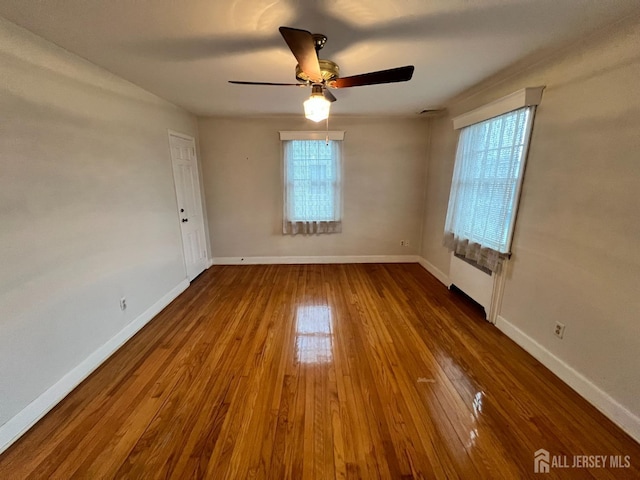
pixel 316 107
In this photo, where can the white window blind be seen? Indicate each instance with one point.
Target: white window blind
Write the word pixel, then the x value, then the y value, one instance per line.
pixel 312 186
pixel 486 184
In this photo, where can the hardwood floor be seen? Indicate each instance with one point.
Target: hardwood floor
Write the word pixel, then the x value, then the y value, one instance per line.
pixel 313 372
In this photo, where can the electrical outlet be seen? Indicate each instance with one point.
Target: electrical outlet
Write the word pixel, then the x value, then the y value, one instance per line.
pixel 123 303
pixel 558 331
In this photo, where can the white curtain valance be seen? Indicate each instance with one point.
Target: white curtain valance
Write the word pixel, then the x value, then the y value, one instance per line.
pixel 312 135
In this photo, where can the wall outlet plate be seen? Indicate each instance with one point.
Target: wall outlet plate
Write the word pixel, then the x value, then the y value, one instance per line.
pixel 123 303
pixel 558 330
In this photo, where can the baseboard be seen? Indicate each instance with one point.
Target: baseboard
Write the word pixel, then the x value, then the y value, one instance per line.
pixel 616 412
pixel 23 421
pixel 435 271
pixel 315 260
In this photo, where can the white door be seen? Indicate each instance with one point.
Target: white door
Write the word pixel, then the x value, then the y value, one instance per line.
pixel 185 174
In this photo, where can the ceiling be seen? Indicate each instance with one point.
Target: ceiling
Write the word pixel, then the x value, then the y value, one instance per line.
pixel 185 51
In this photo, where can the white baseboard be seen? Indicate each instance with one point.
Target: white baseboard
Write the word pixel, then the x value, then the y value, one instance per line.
pixel 435 271
pixel 615 411
pixel 315 260
pixel 23 421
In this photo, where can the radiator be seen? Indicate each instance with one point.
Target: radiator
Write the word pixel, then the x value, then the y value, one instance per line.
pixel 473 281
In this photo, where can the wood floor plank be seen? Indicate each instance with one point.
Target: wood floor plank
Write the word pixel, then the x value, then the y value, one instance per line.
pixel 317 372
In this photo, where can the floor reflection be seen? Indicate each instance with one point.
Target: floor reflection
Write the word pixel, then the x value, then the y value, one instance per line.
pixel 477 411
pixel 314 332
pixel 477 404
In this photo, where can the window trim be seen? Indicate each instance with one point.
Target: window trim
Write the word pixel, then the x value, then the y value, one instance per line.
pixel 312 135
pixel 527 97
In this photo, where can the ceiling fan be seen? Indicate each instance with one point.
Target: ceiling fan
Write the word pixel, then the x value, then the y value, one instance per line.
pixel 322 75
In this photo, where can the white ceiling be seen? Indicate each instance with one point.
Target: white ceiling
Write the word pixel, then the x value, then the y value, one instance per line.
pixel 185 51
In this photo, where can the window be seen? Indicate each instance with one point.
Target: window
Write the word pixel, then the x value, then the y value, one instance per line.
pixel 312 184
pixel 312 176
pixel 486 183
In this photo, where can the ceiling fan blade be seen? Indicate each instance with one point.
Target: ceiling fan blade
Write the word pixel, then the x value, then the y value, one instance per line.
pixel 236 82
pixel 400 74
pixel 302 46
pixel 328 95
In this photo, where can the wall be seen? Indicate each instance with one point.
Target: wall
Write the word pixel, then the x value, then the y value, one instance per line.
pixel 88 214
pixel 383 187
pixel 575 252
pixel 443 140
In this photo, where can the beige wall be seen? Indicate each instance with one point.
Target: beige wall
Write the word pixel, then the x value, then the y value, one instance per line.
pixel 87 211
pixel 383 187
pixel 575 252
pixel 442 145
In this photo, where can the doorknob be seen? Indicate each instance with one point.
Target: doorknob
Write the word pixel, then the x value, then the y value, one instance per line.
pixel 185 220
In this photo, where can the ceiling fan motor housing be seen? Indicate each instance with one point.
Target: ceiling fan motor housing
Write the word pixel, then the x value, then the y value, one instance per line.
pixel 329 70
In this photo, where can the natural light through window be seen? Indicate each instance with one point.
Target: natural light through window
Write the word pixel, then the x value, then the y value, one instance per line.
pixel 486 183
pixel 312 185
pixel 314 330
pixel 312 179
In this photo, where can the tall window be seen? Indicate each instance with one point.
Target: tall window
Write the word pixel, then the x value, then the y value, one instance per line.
pixel 485 188
pixel 312 186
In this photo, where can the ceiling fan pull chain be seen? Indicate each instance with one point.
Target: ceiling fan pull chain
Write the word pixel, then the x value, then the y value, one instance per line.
pixel 327 137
